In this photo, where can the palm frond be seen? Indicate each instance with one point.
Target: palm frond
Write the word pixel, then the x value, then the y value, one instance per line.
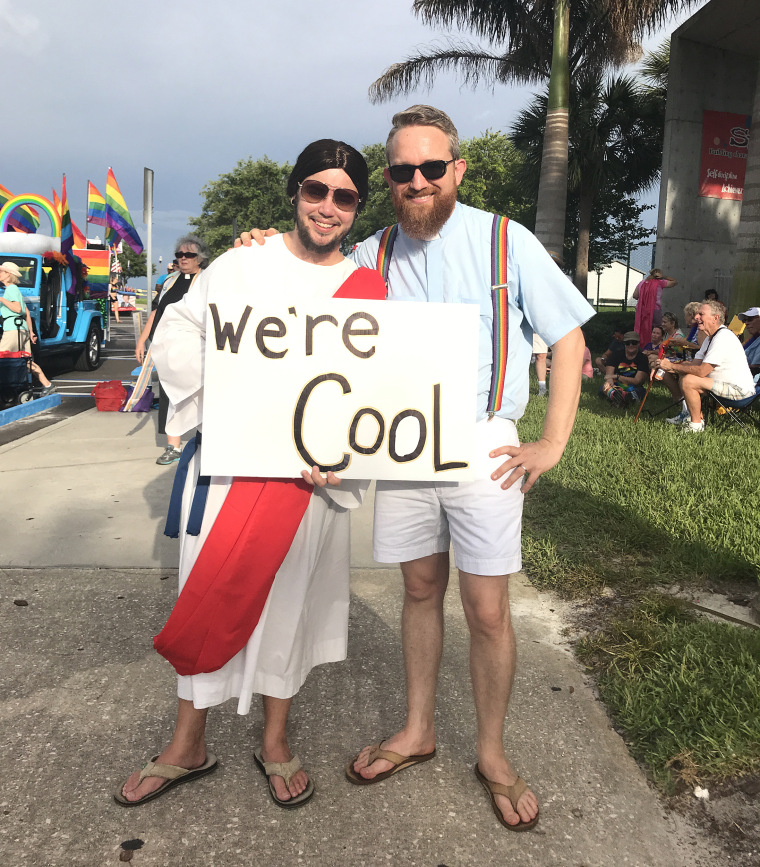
pixel 471 62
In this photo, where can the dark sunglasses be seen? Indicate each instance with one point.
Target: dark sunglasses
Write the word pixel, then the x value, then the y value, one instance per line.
pixel 631 342
pixel 180 255
pixel 316 191
pixel 431 171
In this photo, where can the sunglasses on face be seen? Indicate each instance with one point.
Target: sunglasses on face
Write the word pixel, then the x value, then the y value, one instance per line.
pixel 181 255
pixel 315 191
pixel 631 342
pixel 431 171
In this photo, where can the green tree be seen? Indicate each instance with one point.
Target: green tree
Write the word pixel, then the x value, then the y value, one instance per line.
pixel 532 40
pixel 615 141
pixel 253 193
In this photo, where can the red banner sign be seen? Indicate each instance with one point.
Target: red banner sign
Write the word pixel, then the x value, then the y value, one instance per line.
pixel 725 139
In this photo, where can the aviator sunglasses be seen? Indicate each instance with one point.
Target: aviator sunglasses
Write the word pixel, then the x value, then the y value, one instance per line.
pixel 316 191
pixel 431 171
pixel 180 254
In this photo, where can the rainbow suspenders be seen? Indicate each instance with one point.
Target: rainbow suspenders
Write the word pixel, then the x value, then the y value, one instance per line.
pixel 499 300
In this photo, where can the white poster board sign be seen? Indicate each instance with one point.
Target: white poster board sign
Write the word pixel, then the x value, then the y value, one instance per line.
pixel 369 389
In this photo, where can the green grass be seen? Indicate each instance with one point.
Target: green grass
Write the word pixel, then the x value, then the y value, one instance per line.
pixel 632 506
pixel 684 692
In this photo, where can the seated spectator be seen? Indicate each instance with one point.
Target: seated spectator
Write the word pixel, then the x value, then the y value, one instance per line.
pixel 672 335
pixel 719 366
pixel 615 346
pixel 655 342
pixel 625 373
pixel 751 320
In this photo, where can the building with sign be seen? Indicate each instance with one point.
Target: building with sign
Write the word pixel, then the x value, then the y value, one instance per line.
pixel 708 232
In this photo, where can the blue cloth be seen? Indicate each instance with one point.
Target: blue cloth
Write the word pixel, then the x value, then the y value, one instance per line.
pixel 455 267
pixel 198 505
pixel 752 350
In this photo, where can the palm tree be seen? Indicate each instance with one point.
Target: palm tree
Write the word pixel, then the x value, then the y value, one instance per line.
pixel 532 40
pixel 615 141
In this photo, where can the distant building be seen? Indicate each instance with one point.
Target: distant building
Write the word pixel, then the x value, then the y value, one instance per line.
pixel 708 232
pixel 608 286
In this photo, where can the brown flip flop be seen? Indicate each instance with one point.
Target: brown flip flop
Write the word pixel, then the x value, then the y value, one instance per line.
pixel 399 762
pixel 512 792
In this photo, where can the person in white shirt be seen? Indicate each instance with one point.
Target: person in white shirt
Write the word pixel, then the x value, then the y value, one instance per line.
pixel 720 366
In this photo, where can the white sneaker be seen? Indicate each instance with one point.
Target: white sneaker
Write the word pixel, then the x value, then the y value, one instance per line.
pixel 694 427
pixel 683 417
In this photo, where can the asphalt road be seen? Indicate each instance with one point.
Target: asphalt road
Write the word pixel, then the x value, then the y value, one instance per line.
pixel 75 386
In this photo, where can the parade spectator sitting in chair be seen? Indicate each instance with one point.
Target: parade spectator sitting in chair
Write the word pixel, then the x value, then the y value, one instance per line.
pixel 719 366
pixel 653 346
pixel 625 373
pixel 615 346
pixel 751 320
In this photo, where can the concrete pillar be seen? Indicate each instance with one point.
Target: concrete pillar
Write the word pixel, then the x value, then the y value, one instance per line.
pixel 746 283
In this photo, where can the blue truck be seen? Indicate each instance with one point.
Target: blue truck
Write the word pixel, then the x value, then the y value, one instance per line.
pixel 66 322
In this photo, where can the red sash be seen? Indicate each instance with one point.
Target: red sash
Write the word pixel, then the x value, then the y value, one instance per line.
pixel 225 593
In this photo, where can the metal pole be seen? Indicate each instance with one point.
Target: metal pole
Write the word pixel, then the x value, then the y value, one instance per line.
pixel 148 220
pixel 627 277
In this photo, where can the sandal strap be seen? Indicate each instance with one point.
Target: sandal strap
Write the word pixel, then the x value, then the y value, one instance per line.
pixel 512 792
pixel 286 770
pixel 376 753
pixel 168 772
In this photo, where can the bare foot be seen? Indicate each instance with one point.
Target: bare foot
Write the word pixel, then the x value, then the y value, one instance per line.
pixel 134 790
pixel 405 743
pixel 280 752
pixel 501 772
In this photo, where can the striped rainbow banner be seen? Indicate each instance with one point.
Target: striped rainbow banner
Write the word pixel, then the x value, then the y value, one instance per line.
pixel 45 205
pixel 24 219
pixel 97 269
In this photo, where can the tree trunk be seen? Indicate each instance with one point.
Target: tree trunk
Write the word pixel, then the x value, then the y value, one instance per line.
pixel 585 208
pixel 552 187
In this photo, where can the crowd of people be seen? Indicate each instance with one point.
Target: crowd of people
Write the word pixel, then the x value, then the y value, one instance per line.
pixel 711 359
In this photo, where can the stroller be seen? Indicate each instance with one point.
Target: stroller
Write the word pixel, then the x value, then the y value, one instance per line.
pixel 15 373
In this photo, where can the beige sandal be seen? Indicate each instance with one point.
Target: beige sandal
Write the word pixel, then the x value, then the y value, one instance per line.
pixel 173 775
pixel 512 792
pixel 287 771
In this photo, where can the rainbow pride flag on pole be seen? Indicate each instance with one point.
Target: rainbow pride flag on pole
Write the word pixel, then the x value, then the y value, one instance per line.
pixel 96 206
pixel 23 219
pixel 80 241
pixel 67 233
pixel 117 215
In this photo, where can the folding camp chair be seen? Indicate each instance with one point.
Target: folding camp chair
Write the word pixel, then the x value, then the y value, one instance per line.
pixel 734 410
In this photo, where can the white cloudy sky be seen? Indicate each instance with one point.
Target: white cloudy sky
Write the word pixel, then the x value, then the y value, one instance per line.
pixel 189 88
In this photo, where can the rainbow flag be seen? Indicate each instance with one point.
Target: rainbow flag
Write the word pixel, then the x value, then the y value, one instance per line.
pixel 96 206
pixel 117 215
pixel 24 219
pixel 67 233
pixel 80 242
pixel 97 270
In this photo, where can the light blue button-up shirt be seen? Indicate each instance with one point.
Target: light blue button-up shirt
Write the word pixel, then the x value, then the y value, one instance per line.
pixel 455 267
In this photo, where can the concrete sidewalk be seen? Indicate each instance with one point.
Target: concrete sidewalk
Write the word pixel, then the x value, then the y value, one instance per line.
pixel 84 700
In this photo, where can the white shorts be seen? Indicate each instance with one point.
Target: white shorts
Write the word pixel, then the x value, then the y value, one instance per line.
pixel 416 519
pixel 539 347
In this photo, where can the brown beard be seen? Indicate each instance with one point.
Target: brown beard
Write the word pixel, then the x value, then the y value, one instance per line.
pixel 425 223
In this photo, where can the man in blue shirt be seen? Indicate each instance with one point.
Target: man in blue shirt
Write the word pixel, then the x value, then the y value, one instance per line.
pixel 751 320
pixel 443 252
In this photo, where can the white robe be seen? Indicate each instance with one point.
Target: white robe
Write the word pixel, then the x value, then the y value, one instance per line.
pixel 305 620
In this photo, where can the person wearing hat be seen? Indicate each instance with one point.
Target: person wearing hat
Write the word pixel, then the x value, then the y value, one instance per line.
pixel 15 336
pixel 625 373
pixel 751 320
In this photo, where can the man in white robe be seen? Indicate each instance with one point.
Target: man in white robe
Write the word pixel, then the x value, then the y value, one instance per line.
pixel 304 621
